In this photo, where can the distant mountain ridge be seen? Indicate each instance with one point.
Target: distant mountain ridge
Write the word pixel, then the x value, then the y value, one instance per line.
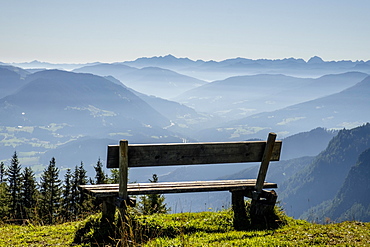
pixel 216 70
pixel 155 81
pixel 242 96
pixel 351 202
pixel 309 143
pixel 68 105
pixel 346 109
pixel 324 178
pixel 11 79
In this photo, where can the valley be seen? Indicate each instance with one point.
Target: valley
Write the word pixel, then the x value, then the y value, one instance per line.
pixel 72 112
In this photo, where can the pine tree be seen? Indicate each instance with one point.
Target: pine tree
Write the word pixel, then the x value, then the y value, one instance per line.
pixel 4 193
pixel 67 200
pixel 83 197
pixel 114 176
pixel 2 172
pixel 100 177
pixel 50 191
pixel 82 203
pixel 28 193
pixel 153 203
pixel 4 201
pixel 75 193
pixel 14 180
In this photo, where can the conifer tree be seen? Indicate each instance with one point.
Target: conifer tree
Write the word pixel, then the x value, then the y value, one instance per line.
pixel 28 193
pixel 83 197
pixel 50 192
pixel 4 194
pixel 74 193
pixel 82 203
pixel 153 203
pixel 100 177
pixel 4 201
pixel 67 200
pixel 114 176
pixel 14 180
pixel 2 172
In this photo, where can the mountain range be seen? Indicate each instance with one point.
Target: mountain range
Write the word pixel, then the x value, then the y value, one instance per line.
pixel 155 81
pixel 346 109
pixel 333 175
pixel 216 70
pixel 242 96
pixel 74 115
pixel 71 98
pixel 351 202
pixel 11 78
pixel 53 107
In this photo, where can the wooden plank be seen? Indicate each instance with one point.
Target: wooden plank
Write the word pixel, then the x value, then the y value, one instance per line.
pixel 171 184
pixel 123 169
pixel 175 187
pixel 141 155
pixel 123 180
pixel 265 162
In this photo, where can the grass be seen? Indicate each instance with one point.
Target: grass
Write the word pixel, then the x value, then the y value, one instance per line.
pixel 294 234
pixel 31 235
pixel 186 229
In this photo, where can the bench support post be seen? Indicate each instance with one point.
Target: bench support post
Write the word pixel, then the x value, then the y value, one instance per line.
pixel 263 207
pixel 262 211
pixel 108 211
pixel 123 177
pixel 240 214
pixel 265 162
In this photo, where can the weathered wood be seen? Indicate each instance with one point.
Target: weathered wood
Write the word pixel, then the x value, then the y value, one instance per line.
pixel 108 211
pixel 123 178
pixel 192 153
pixel 262 211
pixel 108 190
pixel 123 169
pixel 265 162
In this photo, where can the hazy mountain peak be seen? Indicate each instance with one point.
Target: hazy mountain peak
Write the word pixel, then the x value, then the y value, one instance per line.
pixel 315 60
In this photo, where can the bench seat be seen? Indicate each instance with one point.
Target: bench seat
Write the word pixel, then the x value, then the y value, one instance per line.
pixel 111 190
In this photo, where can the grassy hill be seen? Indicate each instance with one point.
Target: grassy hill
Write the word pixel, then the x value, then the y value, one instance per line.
pixel 188 229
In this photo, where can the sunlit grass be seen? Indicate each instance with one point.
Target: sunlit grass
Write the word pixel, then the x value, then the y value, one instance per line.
pixel 30 235
pixel 187 229
pixel 294 234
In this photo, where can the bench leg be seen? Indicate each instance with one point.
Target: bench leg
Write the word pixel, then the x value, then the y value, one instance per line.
pixel 108 212
pixel 240 214
pixel 262 211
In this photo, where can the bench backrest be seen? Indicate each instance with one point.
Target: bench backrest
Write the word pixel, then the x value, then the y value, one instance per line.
pixel 141 155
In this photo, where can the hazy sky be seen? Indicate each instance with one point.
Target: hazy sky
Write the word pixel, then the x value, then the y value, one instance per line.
pixel 79 31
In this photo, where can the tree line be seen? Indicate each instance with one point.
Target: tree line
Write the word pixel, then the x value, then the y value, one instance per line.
pixel 52 200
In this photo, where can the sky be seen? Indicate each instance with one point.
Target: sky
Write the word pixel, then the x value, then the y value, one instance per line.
pixel 81 31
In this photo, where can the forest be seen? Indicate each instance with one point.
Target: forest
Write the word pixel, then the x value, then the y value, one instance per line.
pixel 54 200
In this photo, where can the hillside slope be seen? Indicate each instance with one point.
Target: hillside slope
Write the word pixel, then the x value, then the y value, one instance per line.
pixel 346 109
pixel 155 81
pixel 11 79
pixel 81 100
pixel 322 180
pixel 352 201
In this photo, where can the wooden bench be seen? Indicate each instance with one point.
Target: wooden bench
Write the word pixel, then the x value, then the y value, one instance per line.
pixel 123 156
